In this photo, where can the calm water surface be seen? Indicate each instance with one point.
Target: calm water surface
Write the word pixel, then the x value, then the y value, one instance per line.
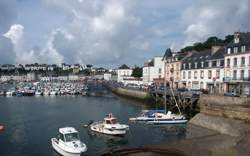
pixel 31 122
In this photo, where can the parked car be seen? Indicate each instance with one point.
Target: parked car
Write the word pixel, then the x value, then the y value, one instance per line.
pixel 232 94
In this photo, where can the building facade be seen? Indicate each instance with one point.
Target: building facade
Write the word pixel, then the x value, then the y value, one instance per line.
pixel 172 63
pixel 237 64
pixel 152 70
pixel 204 70
pixel 123 72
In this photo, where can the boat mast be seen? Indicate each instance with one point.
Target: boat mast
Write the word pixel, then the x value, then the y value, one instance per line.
pixel 165 88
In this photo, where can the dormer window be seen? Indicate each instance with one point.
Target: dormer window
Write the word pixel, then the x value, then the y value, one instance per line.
pixel 202 64
pixel 236 39
pixel 189 65
pixel 184 66
pixel 235 50
pixel 243 48
pixel 195 64
pixel 228 50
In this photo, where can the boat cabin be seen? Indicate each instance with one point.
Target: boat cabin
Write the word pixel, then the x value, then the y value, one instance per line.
pixel 110 119
pixel 68 134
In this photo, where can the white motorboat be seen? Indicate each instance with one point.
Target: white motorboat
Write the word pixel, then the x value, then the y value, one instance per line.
pixel 168 118
pixel 109 126
pixel 52 93
pixel 38 93
pixel 68 142
pixel 10 93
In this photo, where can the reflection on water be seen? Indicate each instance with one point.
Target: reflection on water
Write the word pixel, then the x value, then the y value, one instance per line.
pixel 31 122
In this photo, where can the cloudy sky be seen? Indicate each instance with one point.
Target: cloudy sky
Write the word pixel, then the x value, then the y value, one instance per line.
pixel 111 32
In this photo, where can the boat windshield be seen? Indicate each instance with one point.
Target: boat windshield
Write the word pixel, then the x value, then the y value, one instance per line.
pixel 71 137
pixel 112 121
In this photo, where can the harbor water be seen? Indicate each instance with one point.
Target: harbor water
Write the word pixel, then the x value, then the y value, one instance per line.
pixel 30 123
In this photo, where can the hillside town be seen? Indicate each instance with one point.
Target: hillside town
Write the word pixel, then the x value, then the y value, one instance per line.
pixel 220 70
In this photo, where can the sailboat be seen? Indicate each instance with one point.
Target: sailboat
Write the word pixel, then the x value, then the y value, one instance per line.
pixel 169 117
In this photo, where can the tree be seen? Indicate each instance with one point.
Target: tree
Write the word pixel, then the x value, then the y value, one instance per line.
pixel 211 41
pixel 137 72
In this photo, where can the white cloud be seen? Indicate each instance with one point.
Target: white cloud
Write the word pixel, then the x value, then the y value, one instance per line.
pixel 15 33
pixel 219 18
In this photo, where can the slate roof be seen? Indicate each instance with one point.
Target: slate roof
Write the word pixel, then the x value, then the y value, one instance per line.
pixel 168 53
pixel 124 66
pixel 244 39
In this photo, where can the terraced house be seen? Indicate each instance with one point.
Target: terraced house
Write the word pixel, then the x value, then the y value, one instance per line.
pixel 237 64
pixel 172 62
pixel 204 70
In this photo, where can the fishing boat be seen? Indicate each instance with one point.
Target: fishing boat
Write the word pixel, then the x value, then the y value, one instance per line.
pixel 109 126
pixel 68 142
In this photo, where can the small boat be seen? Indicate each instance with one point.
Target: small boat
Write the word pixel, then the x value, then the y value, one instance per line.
pixel 10 93
pixel 169 118
pixel 1 128
pixel 146 115
pixel 109 126
pixel 52 93
pixel 38 93
pixel 68 142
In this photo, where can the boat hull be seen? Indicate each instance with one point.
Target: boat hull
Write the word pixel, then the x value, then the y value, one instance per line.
pixel 168 121
pixel 97 127
pixel 60 151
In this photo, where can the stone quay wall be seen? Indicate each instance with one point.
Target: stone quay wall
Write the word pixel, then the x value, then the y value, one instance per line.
pixel 223 106
pixel 141 95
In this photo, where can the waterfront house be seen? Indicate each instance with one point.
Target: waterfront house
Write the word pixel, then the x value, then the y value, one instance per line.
pixel 153 70
pixel 7 67
pixel 204 70
pixel 123 72
pixel 237 64
pixel 172 68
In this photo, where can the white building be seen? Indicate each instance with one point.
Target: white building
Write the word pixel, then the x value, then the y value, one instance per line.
pixel 237 64
pixel 204 70
pixel 123 72
pixel 153 69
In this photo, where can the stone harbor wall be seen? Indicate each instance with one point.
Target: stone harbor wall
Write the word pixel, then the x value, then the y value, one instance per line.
pixel 136 94
pixel 229 107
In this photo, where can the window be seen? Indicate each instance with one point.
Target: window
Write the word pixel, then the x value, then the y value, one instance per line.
pixel 184 75
pixel 61 136
pixel 195 65
pixel 210 64
pixel 221 63
pixel 228 50
pixel 159 70
pixel 243 61
pixel 202 74
pixel 235 50
pixel 202 64
pixel 235 74
pixel 235 61
pixel 228 62
pixel 202 85
pixel 242 72
pixel 189 75
pixel 189 65
pixel 243 48
pixel 214 63
pixel 209 74
pixel 71 137
pixel 218 74
pixel 195 74
pixel 184 66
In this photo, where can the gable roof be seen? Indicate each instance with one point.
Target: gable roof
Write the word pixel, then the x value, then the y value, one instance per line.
pixel 168 53
pixel 124 66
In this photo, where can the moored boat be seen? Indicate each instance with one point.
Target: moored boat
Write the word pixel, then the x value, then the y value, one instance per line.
pixel 68 143
pixel 109 126
pixel 168 118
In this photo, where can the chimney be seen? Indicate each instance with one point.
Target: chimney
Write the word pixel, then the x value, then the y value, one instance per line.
pixel 214 49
